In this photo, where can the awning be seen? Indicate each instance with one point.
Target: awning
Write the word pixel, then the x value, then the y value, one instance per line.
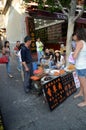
pixel 81 20
pixel 42 14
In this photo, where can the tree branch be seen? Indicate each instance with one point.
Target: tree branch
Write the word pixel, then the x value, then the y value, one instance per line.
pixel 79 14
pixel 60 5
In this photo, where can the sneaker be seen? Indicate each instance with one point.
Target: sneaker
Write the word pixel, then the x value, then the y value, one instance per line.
pixel 10 75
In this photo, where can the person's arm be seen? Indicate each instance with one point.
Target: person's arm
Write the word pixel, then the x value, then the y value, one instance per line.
pixel 37 44
pixel 79 46
pixel 3 51
pixel 15 51
pixel 23 53
pixel 63 61
pixel 25 66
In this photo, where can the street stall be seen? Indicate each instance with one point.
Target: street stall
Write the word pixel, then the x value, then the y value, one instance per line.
pixel 58 89
pixel 56 85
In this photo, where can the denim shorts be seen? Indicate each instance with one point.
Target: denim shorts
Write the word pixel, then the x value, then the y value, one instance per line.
pixel 81 73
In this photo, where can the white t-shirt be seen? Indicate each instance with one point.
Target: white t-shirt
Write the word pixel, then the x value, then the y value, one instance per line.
pixel 39 46
pixel 81 59
pixel 61 61
pixel 19 55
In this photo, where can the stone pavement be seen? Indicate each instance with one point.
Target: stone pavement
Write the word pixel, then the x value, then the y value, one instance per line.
pixel 28 112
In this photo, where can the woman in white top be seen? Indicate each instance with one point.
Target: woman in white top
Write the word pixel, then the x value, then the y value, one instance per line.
pixel 59 60
pixel 80 57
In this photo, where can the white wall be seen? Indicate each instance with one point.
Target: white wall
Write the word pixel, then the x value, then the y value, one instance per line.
pixel 15 23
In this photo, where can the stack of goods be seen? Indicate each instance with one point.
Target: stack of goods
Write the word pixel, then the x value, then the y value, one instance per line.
pixel 70 68
pixel 57 72
pixel 68 84
pixel 39 72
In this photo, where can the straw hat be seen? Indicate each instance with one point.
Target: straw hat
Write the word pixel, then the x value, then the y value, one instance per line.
pixel 57 51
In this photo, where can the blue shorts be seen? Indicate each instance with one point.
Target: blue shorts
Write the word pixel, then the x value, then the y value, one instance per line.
pixel 81 73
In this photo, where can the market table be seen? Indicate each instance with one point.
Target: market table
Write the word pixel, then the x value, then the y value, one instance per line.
pixel 58 89
pixel 55 88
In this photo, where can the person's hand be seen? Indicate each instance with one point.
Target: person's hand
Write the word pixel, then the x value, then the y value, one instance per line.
pixel 26 69
pixel 58 65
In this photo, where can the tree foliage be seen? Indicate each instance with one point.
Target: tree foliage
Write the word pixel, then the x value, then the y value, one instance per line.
pixel 51 3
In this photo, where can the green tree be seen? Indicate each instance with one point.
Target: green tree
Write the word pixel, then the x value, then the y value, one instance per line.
pixel 70 12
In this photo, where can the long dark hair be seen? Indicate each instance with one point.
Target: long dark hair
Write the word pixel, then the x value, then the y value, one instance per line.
pixel 81 34
pixel 5 43
pixel 57 59
pixel 21 45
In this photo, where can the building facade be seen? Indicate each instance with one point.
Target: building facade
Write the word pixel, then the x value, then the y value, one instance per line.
pixel 13 21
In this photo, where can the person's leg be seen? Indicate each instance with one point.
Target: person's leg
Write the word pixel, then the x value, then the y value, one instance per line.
pixel 83 82
pixel 42 53
pixel 22 72
pixel 31 74
pixel 39 56
pixel 26 81
pixel 80 74
pixel 50 64
pixel 81 89
pixel 8 69
pixel 8 66
pixel 22 75
pixel 19 64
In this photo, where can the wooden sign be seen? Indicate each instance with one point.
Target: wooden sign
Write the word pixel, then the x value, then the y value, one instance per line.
pixel 68 84
pixel 30 30
pixel 58 89
pixel 54 92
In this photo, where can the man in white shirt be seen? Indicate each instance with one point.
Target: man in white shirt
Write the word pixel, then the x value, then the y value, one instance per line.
pixel 40 47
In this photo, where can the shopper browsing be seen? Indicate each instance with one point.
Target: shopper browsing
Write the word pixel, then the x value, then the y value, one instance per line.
pixel 27 64
pixel 80 56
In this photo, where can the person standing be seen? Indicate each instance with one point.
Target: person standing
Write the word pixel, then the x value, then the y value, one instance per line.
pixel 73 43
pixel 16 50
pixel 80 56
pixel 6 52
pixel 27 64
pixel 40 47
pixel 62 48
pixel 19 56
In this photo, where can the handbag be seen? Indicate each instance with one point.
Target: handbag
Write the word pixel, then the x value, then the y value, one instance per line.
pixel 3 60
